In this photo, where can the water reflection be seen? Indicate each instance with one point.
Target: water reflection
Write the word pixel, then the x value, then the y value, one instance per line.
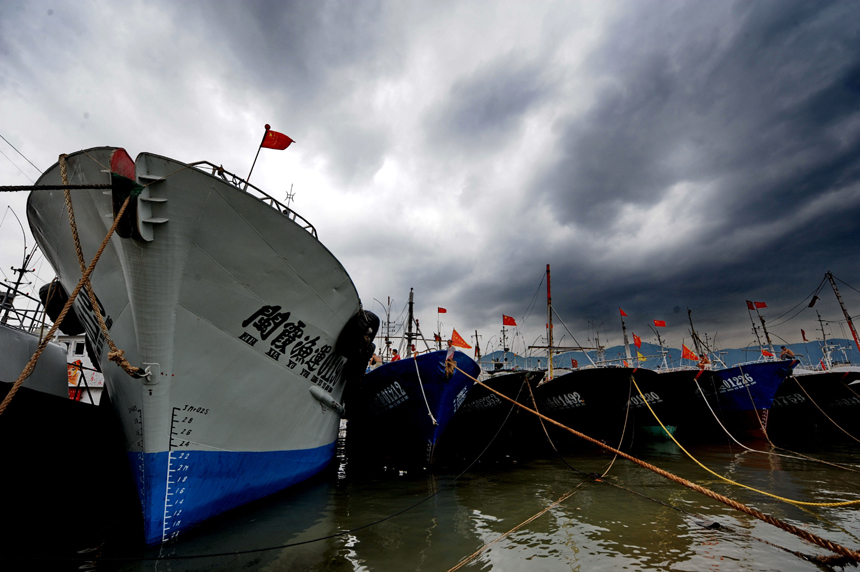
pixel 390 520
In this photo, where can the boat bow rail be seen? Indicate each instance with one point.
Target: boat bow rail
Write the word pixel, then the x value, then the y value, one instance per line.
pixel 247 187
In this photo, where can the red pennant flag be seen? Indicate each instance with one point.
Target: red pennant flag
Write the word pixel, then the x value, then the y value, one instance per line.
pixel 802 333
pixel 624 361
pixel 437 338
pixel 637 341
pixel 458 342
pixel 275 140
pixel 441 310
pixel 766 353
pixel 687 354
pixel 660 323
pixel 508 321
pixel 623 313
pixel 750 305
pixel 760 305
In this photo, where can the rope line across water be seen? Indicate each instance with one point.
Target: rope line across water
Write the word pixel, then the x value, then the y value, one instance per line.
pixel 808 536
pixel 719 476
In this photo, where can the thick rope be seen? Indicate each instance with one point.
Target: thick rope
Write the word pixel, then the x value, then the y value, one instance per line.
pixel 115 355
pixel 719 476
pixel 28 369
pixel 808 536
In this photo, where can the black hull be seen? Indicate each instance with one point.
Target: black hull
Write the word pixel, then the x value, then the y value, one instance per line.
pixel 591 401
pixel 486 424
pixel 819 406
pixel 65 465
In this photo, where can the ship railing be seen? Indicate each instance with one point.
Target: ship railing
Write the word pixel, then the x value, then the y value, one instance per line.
pixel 16 317
pixel 256 192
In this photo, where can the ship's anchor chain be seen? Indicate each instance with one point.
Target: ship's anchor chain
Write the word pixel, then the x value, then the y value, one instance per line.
pixel 115 355
pixel 28 369
pixel 808 536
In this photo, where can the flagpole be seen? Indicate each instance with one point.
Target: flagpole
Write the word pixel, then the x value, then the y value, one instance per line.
pixel 257 155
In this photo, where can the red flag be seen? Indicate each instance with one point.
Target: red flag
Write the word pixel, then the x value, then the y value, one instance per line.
pixel 508 321
pixel 275 140
pixel 437 338
pixel 458 342
pixel 760 305
pixel 623 313
pixel 750 305
pixel 441 310
pixel 802 333
pixel 687 354
pixel 766 353
pixel 624 361
pixel 660 323
pixel 573 363
pixel 637 341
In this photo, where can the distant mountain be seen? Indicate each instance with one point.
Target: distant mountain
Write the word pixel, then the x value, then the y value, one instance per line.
pixel 807 353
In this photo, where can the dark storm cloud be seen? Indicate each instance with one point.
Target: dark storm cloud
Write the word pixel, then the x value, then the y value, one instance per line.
pixel 756 102
pixel 309 59
pixel 486 108
pixel 742 99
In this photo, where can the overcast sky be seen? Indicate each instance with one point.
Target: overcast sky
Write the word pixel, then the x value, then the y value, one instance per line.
pixel 659 155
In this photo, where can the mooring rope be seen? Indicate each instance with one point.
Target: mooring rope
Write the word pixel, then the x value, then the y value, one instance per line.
pixel 777 497
pixel 421 385
pixel 808 536
pixel 28 369
pixel 822 410
pixel 115 355
pixel 793 455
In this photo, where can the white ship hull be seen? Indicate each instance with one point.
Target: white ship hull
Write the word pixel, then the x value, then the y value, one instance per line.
pixel 233 307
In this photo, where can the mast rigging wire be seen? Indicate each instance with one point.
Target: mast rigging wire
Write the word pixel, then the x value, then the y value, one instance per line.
pixel 25 158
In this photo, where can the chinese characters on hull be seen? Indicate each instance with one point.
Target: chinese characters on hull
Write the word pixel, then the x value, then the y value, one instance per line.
pixel 302 352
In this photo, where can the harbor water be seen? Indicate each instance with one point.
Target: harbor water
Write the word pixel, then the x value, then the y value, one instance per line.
pixel 502 509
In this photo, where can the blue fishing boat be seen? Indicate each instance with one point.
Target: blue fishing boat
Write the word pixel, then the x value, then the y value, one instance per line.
pixel 400 409
pixel 736 400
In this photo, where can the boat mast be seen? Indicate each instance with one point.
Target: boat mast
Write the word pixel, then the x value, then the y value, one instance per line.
pixel 549 322
pixel 766 335
pixel 844 311
pixel 9 297
pixel 662 351
pixel 824 348
pixel 754 328
pixel 409 334
pixel 626 343
pixel 694 334
pixel 504 344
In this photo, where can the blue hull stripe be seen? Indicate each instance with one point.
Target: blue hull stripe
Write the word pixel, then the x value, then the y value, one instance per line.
pixel 202 484
pixel 752 386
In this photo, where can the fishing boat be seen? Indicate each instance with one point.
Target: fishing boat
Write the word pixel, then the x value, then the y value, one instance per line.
pixel 594 399
pixel 821 400
pixel 726 401
pixel 401 408
pixel 47 439
pixel 487 424
pixel 240 329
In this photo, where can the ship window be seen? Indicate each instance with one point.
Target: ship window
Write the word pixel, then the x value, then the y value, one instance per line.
pixel 79 348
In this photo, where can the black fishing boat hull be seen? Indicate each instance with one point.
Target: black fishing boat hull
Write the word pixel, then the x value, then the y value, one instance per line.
pixel 592 401
pixel 486 424
pixel 816 406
